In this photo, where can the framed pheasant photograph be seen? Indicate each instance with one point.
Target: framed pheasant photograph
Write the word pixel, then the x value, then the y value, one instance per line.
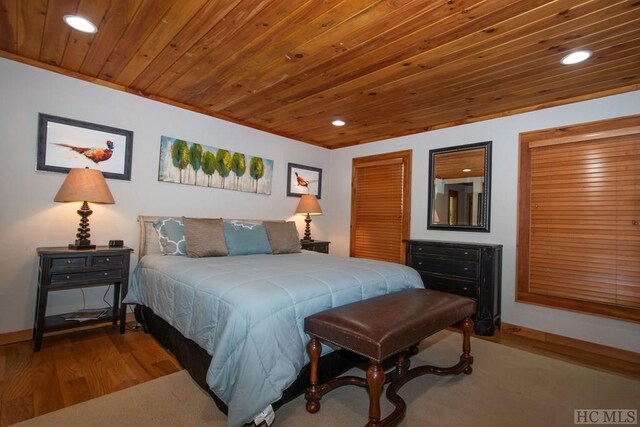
pixel 303 180
pixel 66 143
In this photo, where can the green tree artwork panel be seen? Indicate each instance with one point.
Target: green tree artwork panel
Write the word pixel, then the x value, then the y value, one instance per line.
pixel 191 163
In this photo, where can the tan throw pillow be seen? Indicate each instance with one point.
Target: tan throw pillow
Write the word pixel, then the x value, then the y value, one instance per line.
pixel 283 237
pixel 204 237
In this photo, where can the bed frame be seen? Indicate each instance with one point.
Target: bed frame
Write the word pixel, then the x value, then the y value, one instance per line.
pixel 196 360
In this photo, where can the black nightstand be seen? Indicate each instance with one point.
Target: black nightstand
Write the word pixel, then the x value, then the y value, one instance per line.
pixel 321 246
pixel 62 268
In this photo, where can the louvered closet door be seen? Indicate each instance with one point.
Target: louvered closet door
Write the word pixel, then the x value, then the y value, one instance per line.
pixel 584 224
pixel 380 206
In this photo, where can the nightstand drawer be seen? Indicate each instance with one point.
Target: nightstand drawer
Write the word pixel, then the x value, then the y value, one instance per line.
pixel 471 254
pixel 93 276
pixel 105 261
pixel 66 263
pixel 454 267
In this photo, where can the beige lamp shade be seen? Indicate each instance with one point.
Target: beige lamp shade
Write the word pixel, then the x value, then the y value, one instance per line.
pixel 309 205
pixel 84 185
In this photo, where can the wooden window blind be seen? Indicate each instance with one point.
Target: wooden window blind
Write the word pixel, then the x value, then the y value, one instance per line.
pixel 380 206
pixel 579 213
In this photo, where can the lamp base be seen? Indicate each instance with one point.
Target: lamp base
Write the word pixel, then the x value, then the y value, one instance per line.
pixel 307 240
pixel 82 238
pixel 81 247
pixel 307 230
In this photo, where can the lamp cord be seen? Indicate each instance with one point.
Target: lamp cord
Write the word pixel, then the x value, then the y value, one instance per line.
pixel 84 305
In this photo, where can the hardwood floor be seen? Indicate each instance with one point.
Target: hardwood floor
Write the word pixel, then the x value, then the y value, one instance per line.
pixel 75 367
pixel 79 366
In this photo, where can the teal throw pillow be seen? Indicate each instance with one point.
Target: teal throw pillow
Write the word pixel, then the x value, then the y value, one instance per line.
pixel 246 238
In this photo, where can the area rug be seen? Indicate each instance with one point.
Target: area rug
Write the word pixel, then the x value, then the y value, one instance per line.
pixel 508 387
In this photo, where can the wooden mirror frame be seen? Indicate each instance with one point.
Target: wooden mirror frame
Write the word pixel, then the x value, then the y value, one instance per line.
pixel 486 199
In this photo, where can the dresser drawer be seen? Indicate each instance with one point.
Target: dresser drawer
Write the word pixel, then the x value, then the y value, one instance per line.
pixel 107 260
pixel 85 277
pixel 451 285
pixel 67 263
pixel 471 254
pixel 450 266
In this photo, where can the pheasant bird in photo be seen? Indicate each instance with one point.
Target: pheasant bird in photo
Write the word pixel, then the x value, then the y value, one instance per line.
pixel 95 154
pixel 303 182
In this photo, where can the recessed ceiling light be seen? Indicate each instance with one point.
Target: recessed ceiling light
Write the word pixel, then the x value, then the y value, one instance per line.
pixel 466 170
pixel 338 123
pixel 80 23
pixel 575 57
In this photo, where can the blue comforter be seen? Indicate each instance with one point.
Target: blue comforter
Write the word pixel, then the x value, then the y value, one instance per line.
pixel 247 312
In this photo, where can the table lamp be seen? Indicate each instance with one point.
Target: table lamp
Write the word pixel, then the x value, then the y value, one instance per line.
pixel 84 185
pixel 308 205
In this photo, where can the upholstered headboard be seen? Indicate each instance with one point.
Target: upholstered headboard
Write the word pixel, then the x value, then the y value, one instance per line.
pixel 149 243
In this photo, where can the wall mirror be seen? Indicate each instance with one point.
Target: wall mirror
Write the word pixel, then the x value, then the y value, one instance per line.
pixel 460 187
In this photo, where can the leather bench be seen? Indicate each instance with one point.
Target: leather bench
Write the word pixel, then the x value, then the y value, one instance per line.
pixel 379 328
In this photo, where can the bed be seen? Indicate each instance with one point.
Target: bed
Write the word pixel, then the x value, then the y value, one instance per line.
pixel 235 322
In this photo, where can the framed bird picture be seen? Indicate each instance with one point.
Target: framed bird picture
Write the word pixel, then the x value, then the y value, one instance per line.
pixel 65 143
pixel 303 180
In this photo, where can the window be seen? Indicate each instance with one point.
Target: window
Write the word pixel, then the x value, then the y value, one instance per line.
pixel 579 218
pixel 380 206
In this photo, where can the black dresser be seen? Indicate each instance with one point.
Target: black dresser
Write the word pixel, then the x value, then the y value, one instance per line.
pixel 470 269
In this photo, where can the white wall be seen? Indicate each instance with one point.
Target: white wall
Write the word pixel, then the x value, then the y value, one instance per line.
pixel 29 218
pixel 504 134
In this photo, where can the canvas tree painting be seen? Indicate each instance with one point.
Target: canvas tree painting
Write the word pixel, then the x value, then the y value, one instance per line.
pixel 191 163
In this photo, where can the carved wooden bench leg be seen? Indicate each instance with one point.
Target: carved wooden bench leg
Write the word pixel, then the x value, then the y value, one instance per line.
pixel 467 329
pixel 375 380
pixel 314 348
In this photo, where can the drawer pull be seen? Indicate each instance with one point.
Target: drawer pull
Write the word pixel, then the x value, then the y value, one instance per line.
pixel 466 253
pixel 420 248
pixel 419 262
pixel 68 277
pixel 465 288
pixel 466 269
pixel 107 259
pixel 106 274
pixel 68 261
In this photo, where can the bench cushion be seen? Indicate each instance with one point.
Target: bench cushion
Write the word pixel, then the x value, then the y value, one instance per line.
pixel 383 326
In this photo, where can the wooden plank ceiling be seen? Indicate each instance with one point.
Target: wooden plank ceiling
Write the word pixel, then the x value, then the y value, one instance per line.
pixel 386 67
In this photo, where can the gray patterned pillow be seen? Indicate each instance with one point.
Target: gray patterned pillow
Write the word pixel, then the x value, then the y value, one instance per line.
pixel 171 235
pixel 283 237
